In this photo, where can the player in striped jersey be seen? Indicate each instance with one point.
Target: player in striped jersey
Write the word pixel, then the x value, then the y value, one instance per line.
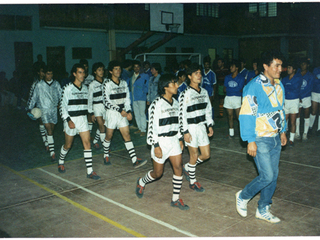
pixel 116 100
pixel 73 111
pixel 41 126
pixel 196 124
pixel 46 96
pixel 165 139
pixel 95 102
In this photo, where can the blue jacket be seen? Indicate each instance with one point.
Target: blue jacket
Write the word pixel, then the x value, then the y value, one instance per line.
pixel 251 75
pixel 262 113
pixel 234 85
pixel 208 80
pixel 316 84
pixel 307 84
pixel 153 88
pixel 140 87
pixel 292 86
pixel 183 86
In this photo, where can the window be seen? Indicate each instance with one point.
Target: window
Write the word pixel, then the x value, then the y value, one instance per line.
pixel 264 9
pixel 208 9
pixel 13 22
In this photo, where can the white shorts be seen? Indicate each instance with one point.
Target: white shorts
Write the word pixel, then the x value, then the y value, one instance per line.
pixel 232 102
pixel 199 136
pixel 291 106
pixel 99 110
pixel 315 97
pixel 81 123
pixel 306 102
pixel 170 146
pixel 114 120
pixel 49 115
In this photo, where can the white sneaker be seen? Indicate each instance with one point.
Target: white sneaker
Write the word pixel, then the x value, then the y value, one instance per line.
pixel 266 215
pixel 304 137
pixel 241 205
pixel 297 136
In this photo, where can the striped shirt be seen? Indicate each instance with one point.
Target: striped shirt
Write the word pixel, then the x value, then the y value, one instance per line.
pixel 74 101
pixel 163 120
pixel 116 97
pixel 32 90
pixel 94 94
pixel 195 108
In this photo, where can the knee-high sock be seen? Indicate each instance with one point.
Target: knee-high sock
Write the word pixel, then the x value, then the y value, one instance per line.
pixel 106 148
pixel 131 151
pixel 90 126
pixel 96 137
pixel 51 144
pixel 306 125
pixel 146 179
pixel 177 184
pixel 312 119
pixel 102 137
pixel 88 160
pixel 192 173
pixel 43 134
pixel 298 126
pixel 63 154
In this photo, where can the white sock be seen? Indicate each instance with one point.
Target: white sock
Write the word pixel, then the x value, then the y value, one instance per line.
pixel 131 151
pixel 177 184
pixel 146 179
pixel 51 144
pixel 63 154
pixel 102 137
pixel 298 126
pixel 88 160
pixel 292 137
pixel 312 119
pixel 96 137
pixel 90 126
pixel 43 134
pixel 306 125
pixel 106 147
pixel 231 131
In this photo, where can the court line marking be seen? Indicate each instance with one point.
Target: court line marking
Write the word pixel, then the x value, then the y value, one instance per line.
pixel 83 208
pixel 121 205
pixel 245 153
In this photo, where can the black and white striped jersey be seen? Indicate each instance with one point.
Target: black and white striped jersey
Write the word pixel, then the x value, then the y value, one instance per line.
pixel 32 91
pixel 94 94
pixel 194 108
pixel 163 120
pixel 46 95
pixel 116 97
pixel 74 101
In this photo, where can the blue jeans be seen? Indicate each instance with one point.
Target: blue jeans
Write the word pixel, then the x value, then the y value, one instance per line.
pixel 267 162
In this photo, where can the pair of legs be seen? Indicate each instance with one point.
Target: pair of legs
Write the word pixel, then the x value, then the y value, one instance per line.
pixel 230 119
pixel 43 133
pixel 49 127
pixel 221 103
pixel 314 113
pixel 293 118
pixel 101 131
pixel 306 122
pixel 139 108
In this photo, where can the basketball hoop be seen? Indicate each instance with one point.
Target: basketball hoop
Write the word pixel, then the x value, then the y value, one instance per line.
pixel 173 27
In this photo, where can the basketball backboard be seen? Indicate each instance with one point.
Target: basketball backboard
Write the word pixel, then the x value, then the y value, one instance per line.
pixel 166 17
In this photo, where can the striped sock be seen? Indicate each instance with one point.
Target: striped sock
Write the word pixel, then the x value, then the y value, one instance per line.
pixel 43 134
pixel 88 159
pixel 96 137
pixel 106 148
pixel 90 126
pixel 102 136
pixel 51 144
pixel 146 179
pixel 192 173
pixel 199 161
pixel 177 184
pixel 131 151
pixel 63 154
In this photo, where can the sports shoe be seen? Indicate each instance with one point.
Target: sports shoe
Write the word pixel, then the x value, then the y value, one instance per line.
pixel 106 161
pixel 297 136
pixel 291 144
pixel 265 214
pixel 96 146
pixel 139 189
pixel 93 175
pixel 179 203
pixel 185 173
pixel 197 187
pixel 304 137
pixel 139 163
pixel 61 168
pixel 241 205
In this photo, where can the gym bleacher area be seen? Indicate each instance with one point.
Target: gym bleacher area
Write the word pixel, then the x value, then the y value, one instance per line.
pixel 38 201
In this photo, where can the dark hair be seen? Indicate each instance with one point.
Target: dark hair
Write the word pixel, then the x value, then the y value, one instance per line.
pixel 126 63
pixel 75 66
pixel 293 63
pixel 207 59
pixel 95 66
pixel 236 62
pixel 156 66
pixel 136 62
pixel 181 73
pixel 221 59
pixel 113 64
pixel 305 60
pixel 267 57
pixel 164 81
pixel 46 69
pixel 83 61
pixel 146 62
pixel 193 68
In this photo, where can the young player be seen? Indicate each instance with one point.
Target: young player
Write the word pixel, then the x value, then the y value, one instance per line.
pixel 165 139
pixel 74 111
pixel 315 100
pixel 153 83
pixel 182 76
pixel 305 99
pixel 233 84
pixel 116 100
pixel 253 73
pixel 42 129
pixel 292 85
pixel 46 96
pixel 95 102
pixel 209 81
pixel 195 119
